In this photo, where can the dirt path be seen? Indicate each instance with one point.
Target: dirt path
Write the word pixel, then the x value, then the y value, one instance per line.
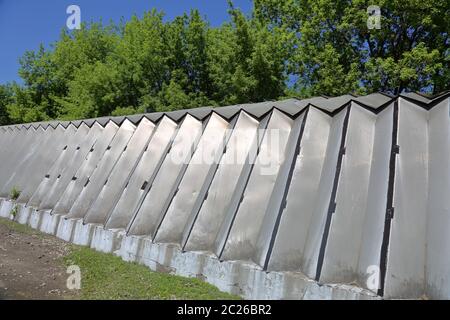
pixel 31 265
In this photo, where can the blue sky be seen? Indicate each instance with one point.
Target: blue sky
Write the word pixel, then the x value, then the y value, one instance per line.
pixel 24 24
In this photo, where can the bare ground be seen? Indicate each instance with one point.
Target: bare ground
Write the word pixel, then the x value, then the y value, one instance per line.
pixel 31 265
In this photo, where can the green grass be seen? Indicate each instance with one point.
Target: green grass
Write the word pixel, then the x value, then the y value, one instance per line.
pixel 21 228
pixel 104 276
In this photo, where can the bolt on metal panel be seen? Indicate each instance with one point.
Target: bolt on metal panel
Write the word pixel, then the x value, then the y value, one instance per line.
pixel 60 164
pixel 143 175
pixel 101 173
pixel 119 176
pixel 64 177
pixel 287 252
pixel 145 218
pixel 201 232
pixel 206 155
pixel 82 175
pixel 406 254
pixel 243 232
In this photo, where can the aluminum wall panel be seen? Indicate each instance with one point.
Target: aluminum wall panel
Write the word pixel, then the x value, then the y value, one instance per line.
pixel 16 154
pixel 5 137
pixel 7 140
pixel 205 226
pixel 321 206
pixel 342 251
pixel 11 138
pixel 276 201
pixel 82 175
pixel 344 197
pixel 43 160
pixel 438 227
pixel 118 178
pixel 31 154
pixel 210 146
pixel 143 175
pixel 406 259
pixel 243 234
pixel 146 218
pixel 372 231
pixel 68 171
pixel 287 253
pixel 101 173
pixel 62 162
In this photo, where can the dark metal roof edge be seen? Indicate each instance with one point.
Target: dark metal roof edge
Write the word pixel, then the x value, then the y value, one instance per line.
pixel 202 113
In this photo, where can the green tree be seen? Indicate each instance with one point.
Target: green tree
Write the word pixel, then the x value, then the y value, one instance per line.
pixel 81 56
pixel 285 48
pixel 247 61
pixel 336 53
pixel 6 97
pixel 23 107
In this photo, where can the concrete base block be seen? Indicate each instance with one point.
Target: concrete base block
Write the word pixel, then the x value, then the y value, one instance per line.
pixel 156 256
pixel 189 264
pixel 106 240
pixel 6 208
pixel 293 287
pixel 246 279
pixel 35 219
pixel 236 277
pixel 65 229
pixel 23 215
pixel 130 249
pixel 224 275
pixel 82 233
pixel 49 222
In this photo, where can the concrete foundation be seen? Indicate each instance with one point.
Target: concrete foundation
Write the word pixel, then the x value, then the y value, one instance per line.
pixel 237 277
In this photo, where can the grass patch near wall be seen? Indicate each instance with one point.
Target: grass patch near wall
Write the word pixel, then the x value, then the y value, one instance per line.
pixel 105 276
pixel 21 228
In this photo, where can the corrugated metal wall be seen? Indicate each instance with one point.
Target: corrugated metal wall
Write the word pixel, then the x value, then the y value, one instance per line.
pixel 329 187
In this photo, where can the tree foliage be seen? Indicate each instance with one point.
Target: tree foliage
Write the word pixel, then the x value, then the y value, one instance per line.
pixel 337 53
pixel 285 48
pixel 6 97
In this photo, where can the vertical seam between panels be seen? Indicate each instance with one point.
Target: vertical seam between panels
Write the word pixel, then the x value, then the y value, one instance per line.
pixel 389 203
pixel 285 192
pixel 247 178
pixel 332 203
pixel 175 188
pixel 167 149
pixel 207 185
